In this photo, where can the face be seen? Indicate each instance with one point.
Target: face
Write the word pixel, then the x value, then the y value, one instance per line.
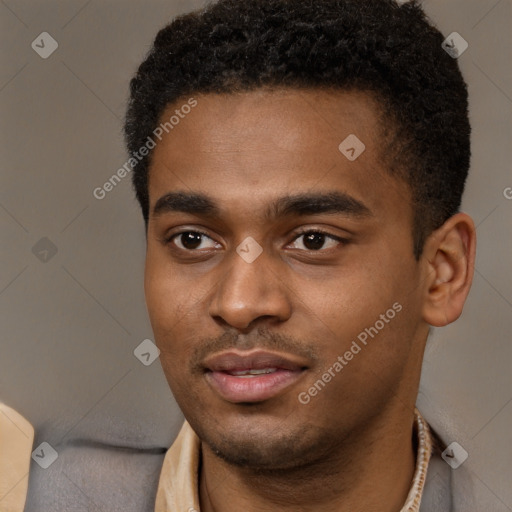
pixel 280 278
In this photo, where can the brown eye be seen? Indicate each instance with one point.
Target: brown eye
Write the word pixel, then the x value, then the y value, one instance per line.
pixel 189 240
pixel 315 240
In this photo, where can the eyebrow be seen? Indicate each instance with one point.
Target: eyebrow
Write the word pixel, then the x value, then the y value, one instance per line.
pixel 299 204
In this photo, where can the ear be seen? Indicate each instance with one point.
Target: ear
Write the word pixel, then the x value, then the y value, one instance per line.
pixel 449 256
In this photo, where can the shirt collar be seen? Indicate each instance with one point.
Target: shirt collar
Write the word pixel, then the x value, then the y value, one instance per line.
pixel 179 477
pixel 423 453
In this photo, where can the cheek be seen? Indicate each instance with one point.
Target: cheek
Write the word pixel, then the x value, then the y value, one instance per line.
pixel 167 297
pixel 162 306
pixel 173 306
pixel 370 303
pixel 351 299
pixel 167 307
pixel 366 366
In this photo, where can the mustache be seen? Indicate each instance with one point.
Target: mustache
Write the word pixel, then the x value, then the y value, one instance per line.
pixel 262 339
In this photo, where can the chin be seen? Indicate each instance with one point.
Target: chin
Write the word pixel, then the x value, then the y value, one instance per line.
pixel 263 446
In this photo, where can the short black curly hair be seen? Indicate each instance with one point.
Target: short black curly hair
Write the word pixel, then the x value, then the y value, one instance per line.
pixel 388 49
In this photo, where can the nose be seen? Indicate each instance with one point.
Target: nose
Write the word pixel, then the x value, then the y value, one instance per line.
pixel 247 293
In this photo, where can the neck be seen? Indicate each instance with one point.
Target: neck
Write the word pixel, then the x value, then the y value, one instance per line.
pixel 372 471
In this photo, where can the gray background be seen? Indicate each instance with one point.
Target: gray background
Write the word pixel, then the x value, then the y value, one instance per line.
pixel 70 324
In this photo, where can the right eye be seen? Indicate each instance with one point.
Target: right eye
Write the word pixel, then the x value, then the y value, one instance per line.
pixel 189 240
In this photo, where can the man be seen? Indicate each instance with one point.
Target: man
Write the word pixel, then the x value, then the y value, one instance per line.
pixel 300 167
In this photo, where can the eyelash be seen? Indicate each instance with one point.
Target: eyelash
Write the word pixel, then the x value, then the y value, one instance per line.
pixel 302 232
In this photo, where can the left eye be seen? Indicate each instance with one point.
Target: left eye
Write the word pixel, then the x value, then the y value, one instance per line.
pixel 314 240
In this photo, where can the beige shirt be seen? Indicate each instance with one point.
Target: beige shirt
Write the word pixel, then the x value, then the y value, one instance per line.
pixel 178 486
pixel 16 438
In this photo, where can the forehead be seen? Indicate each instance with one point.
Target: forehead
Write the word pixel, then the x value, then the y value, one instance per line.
pixel 260 144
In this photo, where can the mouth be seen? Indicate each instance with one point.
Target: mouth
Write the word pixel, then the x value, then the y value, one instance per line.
pixel 252 377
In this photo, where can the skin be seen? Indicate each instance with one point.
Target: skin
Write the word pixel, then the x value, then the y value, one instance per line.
pixel 350 448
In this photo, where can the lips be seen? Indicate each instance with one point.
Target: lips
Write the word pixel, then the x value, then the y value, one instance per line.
pixel 251 377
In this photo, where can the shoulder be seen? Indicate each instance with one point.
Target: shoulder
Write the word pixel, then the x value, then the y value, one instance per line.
pixel 447 488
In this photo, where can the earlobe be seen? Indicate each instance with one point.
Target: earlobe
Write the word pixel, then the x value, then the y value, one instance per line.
pixel 450 259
